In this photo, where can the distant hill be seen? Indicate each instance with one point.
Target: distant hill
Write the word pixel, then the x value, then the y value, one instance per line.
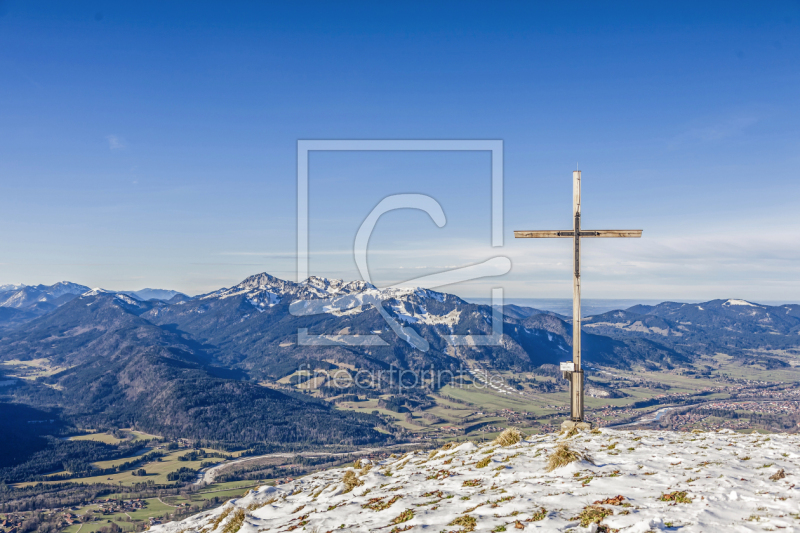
pixel 155 294
pixel 37 300
pixel 33 301
pixel 735 327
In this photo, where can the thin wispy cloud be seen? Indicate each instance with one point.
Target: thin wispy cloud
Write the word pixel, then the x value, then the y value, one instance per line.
pixel 666 265
pixel 715 131
pixel 116 142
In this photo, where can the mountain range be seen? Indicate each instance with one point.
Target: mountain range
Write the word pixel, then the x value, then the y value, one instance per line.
pixel 196 367
pixel 21 303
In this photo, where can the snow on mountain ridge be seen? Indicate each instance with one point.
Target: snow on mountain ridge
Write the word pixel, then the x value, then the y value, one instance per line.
pixel 28 295
pixel 332 287
pixel 740 302
pixel 128 299
pixel 63 287
pixel 152 294
pixel 95 292
pixel 264 291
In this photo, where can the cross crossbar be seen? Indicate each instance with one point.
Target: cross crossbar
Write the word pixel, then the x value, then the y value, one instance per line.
pixel 574 372
pixel 552 234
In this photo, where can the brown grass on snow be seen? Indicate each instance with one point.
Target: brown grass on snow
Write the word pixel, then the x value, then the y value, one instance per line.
pixel 563 455
pixel 221 517
pixel 569 433
pixel 235 523
pixel 509 437
pixel 351 481
pixel 465 521
pixel 593 514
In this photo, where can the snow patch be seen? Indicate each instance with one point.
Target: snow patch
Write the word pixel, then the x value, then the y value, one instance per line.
pixel 739 302
pixel 96 291
pixel 127 299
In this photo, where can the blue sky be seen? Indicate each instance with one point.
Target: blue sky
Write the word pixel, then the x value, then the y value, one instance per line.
pixel 154 144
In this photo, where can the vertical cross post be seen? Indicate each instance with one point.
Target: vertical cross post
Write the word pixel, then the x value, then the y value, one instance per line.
pixel 576 378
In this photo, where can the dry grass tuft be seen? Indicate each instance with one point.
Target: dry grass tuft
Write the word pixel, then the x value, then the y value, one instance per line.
pixel 780 474
pixel 377 504
pixel 569 433
pixel 405 516
pixel 678 496
pixel 563 455
pixel 541 514
pixel 484 462
pixel 592 514
pixel 235 523
pixel 258 505
pixel 509 437
pixel 351 481
pixel 215 524
pixel 467 522
pixel 616 500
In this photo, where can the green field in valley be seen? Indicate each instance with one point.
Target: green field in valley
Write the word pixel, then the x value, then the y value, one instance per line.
pixel 157 471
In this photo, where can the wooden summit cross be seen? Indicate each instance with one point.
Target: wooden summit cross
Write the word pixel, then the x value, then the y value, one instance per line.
pixel 573 371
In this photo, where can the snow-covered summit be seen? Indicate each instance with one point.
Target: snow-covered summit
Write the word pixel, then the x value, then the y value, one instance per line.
pixel 326 287
pixel 26 296
pixel 153 294
pixel 127 299
pixel 740 302
pixel 264 290
pixel 63 287
pixel 96 291
pixel 634 482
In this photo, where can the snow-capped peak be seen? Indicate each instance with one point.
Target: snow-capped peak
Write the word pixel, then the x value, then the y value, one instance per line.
pixel 261 290
pixel 22 296
pixel 262 281
pixel 739 302
pixel 11 287
pixel 95 292
pixel 332 287
pixel 264 291
pixel 64 287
